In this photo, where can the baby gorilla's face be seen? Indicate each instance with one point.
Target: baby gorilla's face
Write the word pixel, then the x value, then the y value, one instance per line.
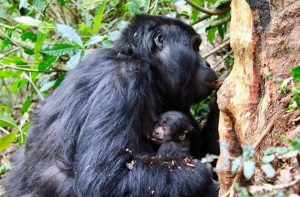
pixel 161 132
pixel 171 126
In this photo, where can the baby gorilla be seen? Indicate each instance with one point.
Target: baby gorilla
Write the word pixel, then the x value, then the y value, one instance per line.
pixel 171 133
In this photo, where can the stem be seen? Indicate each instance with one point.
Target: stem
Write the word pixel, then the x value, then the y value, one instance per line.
pixel 219 22
pixel 14 42
pixel 34 87
pixel 209 12
pixel 277 187
pixel 224 58
pixel 202 18
pixel 30 70
pixel 224 44
pixel 9 52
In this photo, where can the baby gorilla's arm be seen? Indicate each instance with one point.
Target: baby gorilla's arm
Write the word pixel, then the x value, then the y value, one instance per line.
pixel 171 149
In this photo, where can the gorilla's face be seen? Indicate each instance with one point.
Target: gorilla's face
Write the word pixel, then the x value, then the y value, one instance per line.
pixel 172 49
pixel 180 64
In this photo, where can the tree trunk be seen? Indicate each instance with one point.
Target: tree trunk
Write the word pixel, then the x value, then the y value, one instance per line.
pixel 265 38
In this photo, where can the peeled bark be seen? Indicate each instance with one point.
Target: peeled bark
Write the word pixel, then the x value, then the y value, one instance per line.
pixel 265 38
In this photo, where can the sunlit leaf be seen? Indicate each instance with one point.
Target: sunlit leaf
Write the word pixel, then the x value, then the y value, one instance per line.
pixel 69 33
pixel 236 164
pixel 114 35
pixel 7 140
pixel 248 152
pixel 23 4
pixel 74 60
pixel 38 46
pixel 268 170
pixel 98 17
pixel 4 168
pixel 249 168
pixel 28 20
pixel 39 4
pixel 13 60
pixel 196 12
pixel 93 40
pixel 7 121
pixel 60 49
pixel 268 158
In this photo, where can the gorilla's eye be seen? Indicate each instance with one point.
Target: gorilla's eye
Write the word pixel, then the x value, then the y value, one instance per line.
pixel 196 43
pixel 158 39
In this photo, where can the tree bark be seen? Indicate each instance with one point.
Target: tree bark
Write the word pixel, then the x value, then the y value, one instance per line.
pixel 265 38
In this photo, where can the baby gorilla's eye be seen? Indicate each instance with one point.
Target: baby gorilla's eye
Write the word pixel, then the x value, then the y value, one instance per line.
pixel 158 39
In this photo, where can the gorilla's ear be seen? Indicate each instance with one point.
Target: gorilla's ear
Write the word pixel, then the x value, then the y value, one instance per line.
pixel 159 40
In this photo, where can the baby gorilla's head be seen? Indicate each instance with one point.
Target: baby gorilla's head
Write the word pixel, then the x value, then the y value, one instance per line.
pixel 171 126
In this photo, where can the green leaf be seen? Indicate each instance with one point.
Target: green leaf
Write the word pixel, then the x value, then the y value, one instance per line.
pixel 4 168
pixel 133 6
pixel 236 164
pixel 69 33
pixel 98 17
pixel 93 40
pixel 17 84
pixel 23 4
pixel 90 4
pixel 38 46
pixel 60 49
pixel 268 170
pixel 5 43
pixel 7 121
pixel 281 150
pixel 39 4
pixel 45 27
pixel 296 143
pixel 249 168
pixel 74 60
pixel 196 12
pixel 114 35
pixel 7 140
pixel 26 105
pixel 296 73
pixel 58 81
pixel 46 86
pixel 28 35
pixel 248 152
pixel 13 60
pixel 268 158
pixel 62 2
pixel 28 21
pixel 211 33
pixel 221 32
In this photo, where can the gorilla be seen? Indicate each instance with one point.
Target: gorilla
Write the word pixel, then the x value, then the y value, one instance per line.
pixel 171 133
pixel 88 131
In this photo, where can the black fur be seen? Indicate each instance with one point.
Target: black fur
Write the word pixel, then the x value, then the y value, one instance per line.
pixel 94 124
pixel 171 133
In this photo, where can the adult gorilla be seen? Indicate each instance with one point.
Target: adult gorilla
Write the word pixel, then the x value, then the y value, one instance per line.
pixel 88 137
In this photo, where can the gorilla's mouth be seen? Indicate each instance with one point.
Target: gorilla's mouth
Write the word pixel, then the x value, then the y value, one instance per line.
pixel 217 84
